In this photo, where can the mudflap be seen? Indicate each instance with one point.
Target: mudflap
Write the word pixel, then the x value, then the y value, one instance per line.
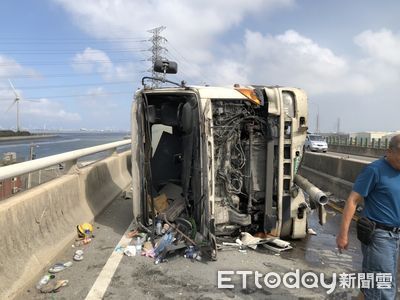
pixel 299 227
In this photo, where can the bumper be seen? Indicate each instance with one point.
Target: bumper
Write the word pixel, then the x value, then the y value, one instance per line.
pixel 319 148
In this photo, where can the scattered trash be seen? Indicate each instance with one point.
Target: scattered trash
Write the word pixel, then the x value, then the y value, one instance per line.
pixel 78 256
pixel 130 251
pixel 147 246
pixel 311 231
pixel 119 249
pixel 277 245
pixel 85 230
pixel 192 253
pixel 138 245
pixel 132 233
pixel 81 242
pixel 175 227
pixel 58 267
pixel 248 240
pixel 158 227
pixel 165 228
pixel 44 280
pixel 148 249
pixel 160 249
pixel 53 286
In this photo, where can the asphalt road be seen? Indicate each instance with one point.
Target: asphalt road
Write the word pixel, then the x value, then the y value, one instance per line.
pixel 181 278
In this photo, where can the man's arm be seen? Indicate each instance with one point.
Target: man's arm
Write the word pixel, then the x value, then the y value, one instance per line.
pixel 342 240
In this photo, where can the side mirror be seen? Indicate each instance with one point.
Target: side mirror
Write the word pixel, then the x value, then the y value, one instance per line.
pixel 165 66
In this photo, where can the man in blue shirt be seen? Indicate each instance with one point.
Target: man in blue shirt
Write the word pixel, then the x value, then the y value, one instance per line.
pixel 379 185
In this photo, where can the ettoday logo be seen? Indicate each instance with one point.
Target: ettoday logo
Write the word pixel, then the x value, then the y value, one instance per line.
pixel 272 280
pixel 308 280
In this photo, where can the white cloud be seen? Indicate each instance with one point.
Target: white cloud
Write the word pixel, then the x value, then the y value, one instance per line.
pixel 97 61
pixel 200 31
pixel 191 26
pixel 383 45
pixel 288 59
pixel 47 110
pixel 92 60
pixel 36 113
pixel 10 67
pixel 98 99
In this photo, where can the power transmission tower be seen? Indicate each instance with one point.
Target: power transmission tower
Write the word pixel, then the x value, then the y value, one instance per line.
pixel 157 51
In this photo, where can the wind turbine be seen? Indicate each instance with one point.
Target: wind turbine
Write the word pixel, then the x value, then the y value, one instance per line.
pixel 16 101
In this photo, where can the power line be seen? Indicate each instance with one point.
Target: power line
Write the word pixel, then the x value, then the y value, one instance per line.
pixel 67 41
pixel 189 63
pixel 43 63
pixel 38 76
pixel 76 95
pixel 72 85
pixel 17 51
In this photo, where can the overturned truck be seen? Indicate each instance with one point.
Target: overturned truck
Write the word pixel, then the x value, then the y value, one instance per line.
pixel 224 158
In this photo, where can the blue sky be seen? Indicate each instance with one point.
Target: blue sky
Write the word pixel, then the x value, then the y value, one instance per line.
pixel 81 61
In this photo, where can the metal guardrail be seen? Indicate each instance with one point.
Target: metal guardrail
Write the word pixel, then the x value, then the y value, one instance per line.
pixel 68 158
pixel 358 142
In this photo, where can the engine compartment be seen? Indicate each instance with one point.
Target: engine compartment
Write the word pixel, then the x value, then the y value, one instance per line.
pixel 241 133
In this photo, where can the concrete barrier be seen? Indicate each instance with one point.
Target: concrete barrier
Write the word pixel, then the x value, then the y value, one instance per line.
pixel 358 150
pixel 332 174
pixel 37 224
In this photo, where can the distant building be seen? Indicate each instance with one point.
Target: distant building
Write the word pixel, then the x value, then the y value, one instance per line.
pixel 9 187
pixel 390 135
pixel 368 135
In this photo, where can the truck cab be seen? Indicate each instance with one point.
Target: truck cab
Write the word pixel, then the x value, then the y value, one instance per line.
pixel 222 159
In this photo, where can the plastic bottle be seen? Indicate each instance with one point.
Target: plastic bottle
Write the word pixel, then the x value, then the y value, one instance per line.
pixel 44 280
pixel 158 227
pixel 138 244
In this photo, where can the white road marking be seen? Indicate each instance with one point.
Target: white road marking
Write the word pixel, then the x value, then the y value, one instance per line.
pixel 103 280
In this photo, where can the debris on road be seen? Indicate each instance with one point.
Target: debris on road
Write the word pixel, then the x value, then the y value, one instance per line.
pixel 53 286
pixel 192 253
pixel 85 230
pixel 311 231
pixel 78 256
pixel 44 280
pixel 58 267
pixel 130 250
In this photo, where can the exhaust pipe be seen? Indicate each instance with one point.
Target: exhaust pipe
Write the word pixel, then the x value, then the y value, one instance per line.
pixel 318 199
pixel 317 196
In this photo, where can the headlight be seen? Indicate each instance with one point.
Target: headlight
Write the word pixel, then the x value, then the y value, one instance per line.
pixel 288 103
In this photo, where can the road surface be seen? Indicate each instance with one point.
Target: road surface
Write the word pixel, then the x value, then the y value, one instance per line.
pixel 180 278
